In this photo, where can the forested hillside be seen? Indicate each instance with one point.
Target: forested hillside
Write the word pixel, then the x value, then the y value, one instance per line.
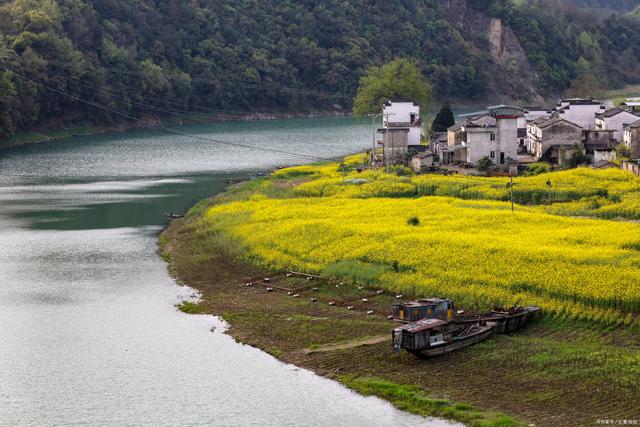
pixel 160 56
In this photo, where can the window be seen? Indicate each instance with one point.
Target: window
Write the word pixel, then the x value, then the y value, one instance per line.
pixel 492 154
pixel 501 158
pixel 492 136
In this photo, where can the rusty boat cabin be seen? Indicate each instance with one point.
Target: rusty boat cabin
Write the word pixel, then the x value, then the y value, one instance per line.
pixel 434 337
pixel 426 308
pixel 422 334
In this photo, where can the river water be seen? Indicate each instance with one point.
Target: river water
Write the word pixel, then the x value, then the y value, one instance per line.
pixel 89 333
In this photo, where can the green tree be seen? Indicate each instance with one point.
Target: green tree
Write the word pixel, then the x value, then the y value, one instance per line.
pixel 400 78
pixel 444 119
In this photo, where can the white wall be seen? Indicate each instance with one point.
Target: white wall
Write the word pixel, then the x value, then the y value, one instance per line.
pixel 400 112
pixel 507 139
pixel 415 136
pixel 583 115
pixel 479 143
pixel 608 155
pixel 617 123
pixel 535 114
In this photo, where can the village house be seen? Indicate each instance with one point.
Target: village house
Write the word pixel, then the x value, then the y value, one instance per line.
pixel 599 144
pixel 631 139
pixel 493 135
pixel 549 138
pixel 402 130
pixel 437 144
pixel 615 119
pixel 579 111
pixel 631 104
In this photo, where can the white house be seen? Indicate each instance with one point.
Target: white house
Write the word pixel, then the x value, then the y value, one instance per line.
pixel 615 119
pixel 494 136
pixel 579 111
pixel 599 144
pixel 402 114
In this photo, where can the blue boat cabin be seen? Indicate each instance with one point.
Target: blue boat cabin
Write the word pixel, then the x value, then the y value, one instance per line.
pixel 427 308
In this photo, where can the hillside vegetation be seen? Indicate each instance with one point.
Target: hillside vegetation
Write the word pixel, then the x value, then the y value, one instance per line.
pixel 458 240
pixel 165 57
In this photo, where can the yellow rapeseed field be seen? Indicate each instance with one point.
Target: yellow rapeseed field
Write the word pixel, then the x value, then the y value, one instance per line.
pixel 354 226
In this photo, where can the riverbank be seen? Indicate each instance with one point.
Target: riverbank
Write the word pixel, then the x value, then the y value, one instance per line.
pixel 545 375
pixel 340 344
pixel 56 131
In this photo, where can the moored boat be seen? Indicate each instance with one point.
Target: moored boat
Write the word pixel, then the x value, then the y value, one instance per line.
pixel 434 337
pixel 504 320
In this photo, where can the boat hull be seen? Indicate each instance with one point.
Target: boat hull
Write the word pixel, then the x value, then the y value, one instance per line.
pixel 482 333
pixel 504 323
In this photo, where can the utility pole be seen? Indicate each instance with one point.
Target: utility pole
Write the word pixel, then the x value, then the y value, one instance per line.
pixel 373 134
pixel 511 192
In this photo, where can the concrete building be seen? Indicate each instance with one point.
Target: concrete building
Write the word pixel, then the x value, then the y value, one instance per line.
pixel 579 111
pixel 494 135
pixel 547 137
pixel 615 119
pixel 401 131
pixel 631 139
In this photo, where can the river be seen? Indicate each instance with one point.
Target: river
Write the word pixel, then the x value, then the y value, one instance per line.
pixel 89 332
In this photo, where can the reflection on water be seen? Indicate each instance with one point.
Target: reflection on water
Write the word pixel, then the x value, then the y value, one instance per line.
pixel 89 331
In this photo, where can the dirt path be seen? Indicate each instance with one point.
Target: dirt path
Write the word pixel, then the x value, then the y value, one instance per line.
pixel 358 342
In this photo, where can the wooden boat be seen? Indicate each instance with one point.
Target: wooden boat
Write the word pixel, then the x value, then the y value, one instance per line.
pixel 173 215
pixel 504 320
pixel 426 308
pixel 434 337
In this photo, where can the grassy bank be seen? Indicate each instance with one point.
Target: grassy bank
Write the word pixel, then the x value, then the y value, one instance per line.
pixel 578 364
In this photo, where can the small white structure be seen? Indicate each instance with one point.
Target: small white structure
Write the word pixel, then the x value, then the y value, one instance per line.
pixel 615 119
pixel 579 111
pixel 422 161
pixel 403 114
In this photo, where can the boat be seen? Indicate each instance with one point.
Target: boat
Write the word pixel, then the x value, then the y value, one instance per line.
pixel 173 215
pixel 506 320
pixel 434 337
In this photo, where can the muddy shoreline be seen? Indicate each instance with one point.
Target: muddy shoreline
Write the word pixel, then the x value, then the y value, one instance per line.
pixel 330 340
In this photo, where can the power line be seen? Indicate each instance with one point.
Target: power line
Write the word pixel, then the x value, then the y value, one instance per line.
pixel 168 130
pixel 113 93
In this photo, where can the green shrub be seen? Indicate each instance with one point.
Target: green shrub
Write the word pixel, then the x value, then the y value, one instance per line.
pixel 537 169
pixel 414 220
